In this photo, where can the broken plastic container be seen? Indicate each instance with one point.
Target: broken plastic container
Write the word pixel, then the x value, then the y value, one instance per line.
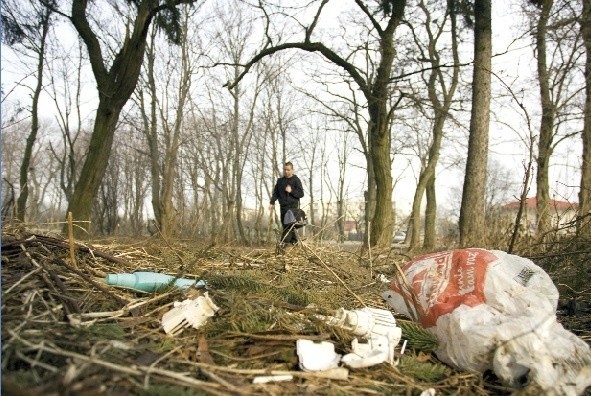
pixel 317 356
pixel 188 313
pixel 377 326
pixel 150 281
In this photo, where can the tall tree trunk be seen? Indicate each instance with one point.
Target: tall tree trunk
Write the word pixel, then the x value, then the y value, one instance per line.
pixel 430 215
pixel 382 225
pixel 427 177
pixel 414 229
pixel 236 162
pixel 95 166
pixel 547 123
pixel 441 114
pixel 341 207
pixel 584 225
pixel 370 198
pixel 168 212
pixel 311 172
pixel 150 121
pixel 21 202
pixel 379 136
pixel 440 98
pixel 473 194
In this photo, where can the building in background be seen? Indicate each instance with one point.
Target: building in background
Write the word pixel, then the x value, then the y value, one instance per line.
pixel 563 214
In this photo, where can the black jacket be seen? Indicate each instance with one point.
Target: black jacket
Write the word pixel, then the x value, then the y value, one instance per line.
pixel 288 200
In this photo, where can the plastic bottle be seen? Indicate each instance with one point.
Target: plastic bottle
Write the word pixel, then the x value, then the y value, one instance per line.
pixel 150 281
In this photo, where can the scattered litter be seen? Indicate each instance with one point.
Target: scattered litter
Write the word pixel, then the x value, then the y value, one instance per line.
pixel 190 312
pixel 429 392
pixel 492 310
pixel 317 356
pixel 378 326
pixel 583 380
pixel 338 373
pixel 403 347
pixel 150 281
pixel 382 278
pixel 265 379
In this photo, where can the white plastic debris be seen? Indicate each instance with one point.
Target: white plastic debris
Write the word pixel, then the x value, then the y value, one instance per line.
pixel 265 379
pixel 429 392
pixel 317 356
pixel 188 313
pixel 377 326
pixel 583 380
pixel 493 310
pixel 383 278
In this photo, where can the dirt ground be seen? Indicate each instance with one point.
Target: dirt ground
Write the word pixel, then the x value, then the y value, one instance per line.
pixel 66 332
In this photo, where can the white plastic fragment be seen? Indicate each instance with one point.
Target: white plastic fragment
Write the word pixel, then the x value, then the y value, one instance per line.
pixel 583 380
pixel 265 379
pixel 429 392
pixel 378 326
pixel 403 347
pixel 364 355
pixel 383 278
pixel 190 312
pixel 317 356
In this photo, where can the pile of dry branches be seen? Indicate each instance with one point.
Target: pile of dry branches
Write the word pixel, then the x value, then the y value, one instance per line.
pixel 65 331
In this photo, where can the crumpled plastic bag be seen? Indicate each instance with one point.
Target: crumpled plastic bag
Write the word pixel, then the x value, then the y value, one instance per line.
pixel 492 310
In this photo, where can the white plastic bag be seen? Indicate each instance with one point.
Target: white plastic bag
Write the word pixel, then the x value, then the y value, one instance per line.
pixel 492 310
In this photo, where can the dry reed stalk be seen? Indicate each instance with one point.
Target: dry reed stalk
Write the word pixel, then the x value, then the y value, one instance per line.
pixel 336 276
pixel 21 280
pixel 71 240
pixel 133 370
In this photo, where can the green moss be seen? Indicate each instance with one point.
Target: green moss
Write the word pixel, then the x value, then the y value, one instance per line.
pixel 418 338
pixel 166 345
pixel 423 371
pixel 109 331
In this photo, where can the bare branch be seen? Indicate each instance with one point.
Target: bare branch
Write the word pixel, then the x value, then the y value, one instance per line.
pixel 373 21
pixel 309 47
pixel 310 29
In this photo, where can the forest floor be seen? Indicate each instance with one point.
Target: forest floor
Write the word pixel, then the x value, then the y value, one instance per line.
pixel 66 332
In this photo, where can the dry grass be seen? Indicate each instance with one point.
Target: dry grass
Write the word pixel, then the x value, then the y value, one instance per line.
pixel 64 331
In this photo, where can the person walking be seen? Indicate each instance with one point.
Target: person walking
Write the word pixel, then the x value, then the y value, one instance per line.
pixel 288 191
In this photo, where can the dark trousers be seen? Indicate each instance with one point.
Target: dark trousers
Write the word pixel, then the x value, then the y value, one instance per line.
pixel 288 235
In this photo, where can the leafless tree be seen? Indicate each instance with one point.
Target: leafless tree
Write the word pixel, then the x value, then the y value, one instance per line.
pixel 375 87
pixel 168 85
pixel 65 90
pixel 584 224
pixel 116 70
pixel 472 209
pixel 557 51
pixel 233 40
pixel 135 183
pixel 105 216
pixel 279 117
pixel 310 151
pixel 12 152
pixel 441 88
pixel 26 26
